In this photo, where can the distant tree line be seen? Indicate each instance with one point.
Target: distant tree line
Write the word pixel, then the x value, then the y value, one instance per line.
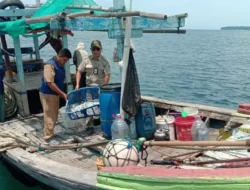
pixel 236 28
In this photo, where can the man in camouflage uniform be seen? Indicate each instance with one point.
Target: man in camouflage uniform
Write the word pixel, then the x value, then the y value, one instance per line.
pixel 97 70
pixel 96 66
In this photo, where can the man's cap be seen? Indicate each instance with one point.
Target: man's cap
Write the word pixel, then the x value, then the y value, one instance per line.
pixel 96 43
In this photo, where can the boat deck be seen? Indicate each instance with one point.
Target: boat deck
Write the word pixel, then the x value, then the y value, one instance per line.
pixel 85 158
pixel 77 167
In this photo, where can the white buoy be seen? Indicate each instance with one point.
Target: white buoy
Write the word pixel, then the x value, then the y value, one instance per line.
pixel 120 152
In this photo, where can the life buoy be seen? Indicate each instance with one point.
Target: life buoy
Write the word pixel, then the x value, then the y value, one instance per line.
pixel 8 3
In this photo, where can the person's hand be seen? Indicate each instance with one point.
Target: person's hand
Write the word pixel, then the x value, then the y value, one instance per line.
pixel 77 87
pixel 64 96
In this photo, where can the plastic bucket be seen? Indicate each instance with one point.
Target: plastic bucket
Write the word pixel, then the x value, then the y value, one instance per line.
pixel 171 120
pixel 109 98
pixel 183 127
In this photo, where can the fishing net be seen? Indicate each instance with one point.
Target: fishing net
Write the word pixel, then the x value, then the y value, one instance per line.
pixel 132 95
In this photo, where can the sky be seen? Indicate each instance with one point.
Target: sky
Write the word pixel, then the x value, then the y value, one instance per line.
pixel 203 14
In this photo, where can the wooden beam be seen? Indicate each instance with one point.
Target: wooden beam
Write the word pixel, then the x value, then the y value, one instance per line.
pixel 36 46
pixel 217 113
pixel 20 71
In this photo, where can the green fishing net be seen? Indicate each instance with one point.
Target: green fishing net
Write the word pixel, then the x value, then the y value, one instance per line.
pixel 18 27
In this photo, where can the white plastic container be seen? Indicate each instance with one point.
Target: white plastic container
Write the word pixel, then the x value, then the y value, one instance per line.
pixel 166 122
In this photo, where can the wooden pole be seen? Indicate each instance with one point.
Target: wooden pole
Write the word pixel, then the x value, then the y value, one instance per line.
pixel 197 143
pixel 6 57
pixel 44 18
pixel 119 4
pixel 132 13
pixel 80 14
pixel 184 15
pixel 19 63
pixel 69 146
pixel 36 46
pixel 38 2
pixel 125 60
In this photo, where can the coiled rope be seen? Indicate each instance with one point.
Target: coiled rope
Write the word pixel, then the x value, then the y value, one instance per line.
pixel 10 102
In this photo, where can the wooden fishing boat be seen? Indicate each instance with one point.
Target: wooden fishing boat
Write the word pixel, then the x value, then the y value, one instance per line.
pixel 71 161
pixel 76 168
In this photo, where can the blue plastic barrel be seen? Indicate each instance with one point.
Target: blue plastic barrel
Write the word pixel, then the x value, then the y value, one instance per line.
pixel 109 98
pixel 145 120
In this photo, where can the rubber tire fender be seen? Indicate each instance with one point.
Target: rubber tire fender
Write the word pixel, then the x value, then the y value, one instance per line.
pixel 7 3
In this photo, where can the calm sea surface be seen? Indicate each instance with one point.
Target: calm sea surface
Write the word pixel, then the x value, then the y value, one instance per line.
pixel 203 66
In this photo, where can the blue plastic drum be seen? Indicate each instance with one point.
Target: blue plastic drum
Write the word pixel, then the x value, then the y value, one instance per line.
pixel 109 98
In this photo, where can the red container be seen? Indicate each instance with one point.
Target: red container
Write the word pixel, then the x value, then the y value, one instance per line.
pixel 183 127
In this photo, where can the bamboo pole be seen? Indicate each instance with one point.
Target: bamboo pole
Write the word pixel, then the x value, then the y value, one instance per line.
pixel 184 15
pixel 60 15
pixel 44 18
pixel 132 13
pixel 117 14
pixel 153 15
pixel 73 15
pixel 196 143
pixel 69 146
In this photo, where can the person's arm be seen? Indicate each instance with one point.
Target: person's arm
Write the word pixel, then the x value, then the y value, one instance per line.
pixel 55 88
pixel 78 79
pixel 107 72
pixel 80 69
pixel 106 79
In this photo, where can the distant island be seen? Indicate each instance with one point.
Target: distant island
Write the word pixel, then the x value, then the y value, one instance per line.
pixel 236 28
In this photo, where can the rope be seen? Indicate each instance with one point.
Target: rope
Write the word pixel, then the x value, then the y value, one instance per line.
pixel 144 151
pixel 10 102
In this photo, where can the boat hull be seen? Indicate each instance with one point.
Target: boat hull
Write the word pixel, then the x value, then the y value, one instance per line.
pixel 148 178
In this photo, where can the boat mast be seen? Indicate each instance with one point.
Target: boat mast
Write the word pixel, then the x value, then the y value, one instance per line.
pixel 126 56
pixel 38 3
